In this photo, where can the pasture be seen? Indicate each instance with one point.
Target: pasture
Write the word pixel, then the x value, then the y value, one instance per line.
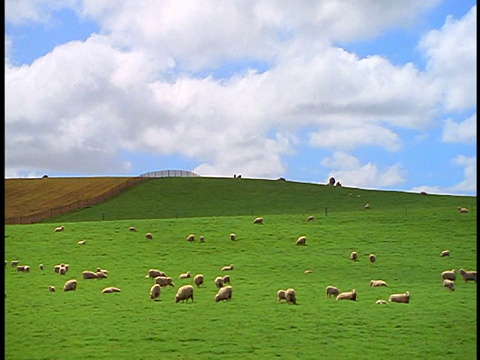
pixel 407 240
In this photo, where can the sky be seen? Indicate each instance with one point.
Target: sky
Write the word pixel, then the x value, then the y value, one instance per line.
pixel 377 94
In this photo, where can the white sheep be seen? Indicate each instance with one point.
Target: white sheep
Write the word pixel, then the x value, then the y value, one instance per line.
pixel 302 240
pixel 449 284
pixel 310 218
pixel 353 256
pixel 218 282
pixel 227 268
pixel 468 275
pixel 132 228
pixel 15 263
pixel 372 258
pixel 110 289
pixel 331 290
pixel 380 302
pixel 153 273
pixel 201 239
pixel 198 280
pixel 184 293
pixel 290 296
pixel 445 253
pixel 164 281
pixel 450 275
pixel 57 268
pixel 149 236
pixel 70 285
pixel 20 268
pixel 226 279
pixel 348 295
pixel 60 228
pixel 191 237
pixel 281 295
pixel 40 267
pixel 308 271
pixel 185 275
pixel 400 298
pixel 81 242
pixel 88 274
pixel 62 270
pixel 462 210
pixel 101 275
pixel 102 270
pixel 376 283
pixel 258 220
pixel 232 237
pixel 367 206
pixel 225 293
pixel 51 288
pixel 155 292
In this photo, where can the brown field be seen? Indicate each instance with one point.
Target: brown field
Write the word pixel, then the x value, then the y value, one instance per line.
pixel 26 197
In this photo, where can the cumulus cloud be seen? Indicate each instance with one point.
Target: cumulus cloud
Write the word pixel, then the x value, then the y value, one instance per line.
pixel 460 132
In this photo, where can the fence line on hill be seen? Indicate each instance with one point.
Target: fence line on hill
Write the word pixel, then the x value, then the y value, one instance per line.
pixel 169 173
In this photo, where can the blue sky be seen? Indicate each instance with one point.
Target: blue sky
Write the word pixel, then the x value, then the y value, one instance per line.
pixel 378 94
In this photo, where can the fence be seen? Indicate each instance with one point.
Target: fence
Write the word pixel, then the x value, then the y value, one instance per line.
pixel 169 173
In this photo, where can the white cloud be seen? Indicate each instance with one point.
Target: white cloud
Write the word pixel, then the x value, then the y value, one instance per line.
pixel 462 132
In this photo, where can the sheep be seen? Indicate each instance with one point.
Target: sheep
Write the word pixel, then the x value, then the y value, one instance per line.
pixel 281 295
pixel 462 210
pixel 191 237
pixel 198 280
pixel 57 268
pixel 155 292
pixel 218 282
pixel 164 281
pixel 153 273
pixel 26 268
pixel 110 289
pixel 66 266
pixel 449 284
pixel 89 275
pixel 348 295
pixel 101 275
pixel 468 275
pixel 400 298
pixel 60 228
pixel 227 268
pixel 70 285
pixel 40 267
pixel 353 256
pixel 62 270
pixel 380 302
pixel 308 271
pixel 102 270
pixel 15 263
pixel 226 279
pixel 367 206
pixel 258 220
pixel 201 239
pixel 445 253
pixel 376 283
pixel 372 258
pixel 149 236
pixel 450 275
pixel 302 240
pixel 51 288
pixel 290 296
pixel 20 268
pixel 81 242
pixel 224 293
pixel 132 228
pixel 184 293
pixel 310 218
pixel 185 275
pixel 331 290
pixel 232 237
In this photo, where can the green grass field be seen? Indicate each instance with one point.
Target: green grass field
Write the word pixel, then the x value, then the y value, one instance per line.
pixel 406 231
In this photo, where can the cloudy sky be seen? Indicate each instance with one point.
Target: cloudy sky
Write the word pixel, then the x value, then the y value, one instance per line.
pixel 378 94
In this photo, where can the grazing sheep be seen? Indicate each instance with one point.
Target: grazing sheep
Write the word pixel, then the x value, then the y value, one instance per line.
pixel 191 237
pixel 40 267
pixel 308 271
pixel 302 240
pixel 468 275
pixel 353 256
pixel 198 280
pixel 70 285
pixel 62 270
pixel 185 275
pixel 331 290
pixel 51 288
pixel 153 273
pixel 258 220
pixel 376 283
pixel 201 239
pixel 227 268
pixel 449 284
pixel 310 218
pixel 110 289
pixel 400 298
pixel 60 228
pixel 367 206
pixel 132 228
pixel 88 274
pixel 225 293
pixel 164 281
pixel 281 295
pixel 450 275
pixel 102 270
pixel 66 266
pixel 380 302
pixel 14 263
pixel 81 242
pixel 445 253
pixel 26 268
pixel 232 237
pixel 218 282
pixel 149 236
pixel 349 295
pixel 155 292
pixel 226 279
pixel 20 268
pixel 57 268
pixel 372 258
pixel 184 293
pixel 101 275
pixel 290 296
pixel 462 210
